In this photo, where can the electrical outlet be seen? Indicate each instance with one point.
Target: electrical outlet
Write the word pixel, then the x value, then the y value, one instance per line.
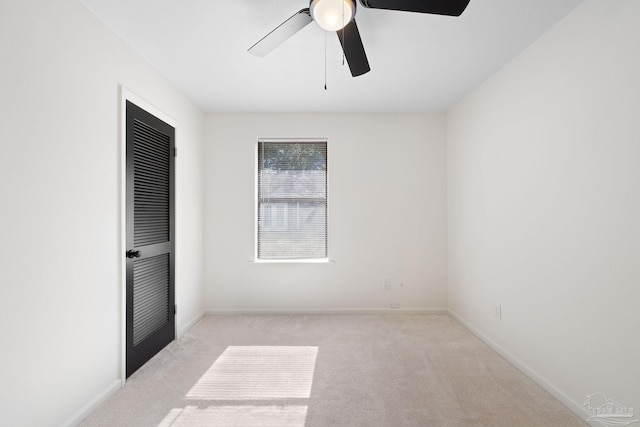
pixel 395 304
pixel 387 284
pixel 498 312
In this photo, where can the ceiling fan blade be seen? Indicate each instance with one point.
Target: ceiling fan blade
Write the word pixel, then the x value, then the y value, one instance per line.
pixel 438 7
pixel 353 49
pixel 282 32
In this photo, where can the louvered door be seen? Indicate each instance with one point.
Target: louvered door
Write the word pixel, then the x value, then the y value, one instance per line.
pixel 150 236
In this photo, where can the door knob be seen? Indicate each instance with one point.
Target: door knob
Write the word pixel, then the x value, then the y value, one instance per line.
pixel 133 254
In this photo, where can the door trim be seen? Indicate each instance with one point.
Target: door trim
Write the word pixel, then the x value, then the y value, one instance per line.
pixel 127 95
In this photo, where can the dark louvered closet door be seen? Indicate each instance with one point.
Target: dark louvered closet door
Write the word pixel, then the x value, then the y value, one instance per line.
pixel 150 235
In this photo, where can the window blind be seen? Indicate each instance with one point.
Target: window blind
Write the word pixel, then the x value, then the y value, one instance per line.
pixel 292 200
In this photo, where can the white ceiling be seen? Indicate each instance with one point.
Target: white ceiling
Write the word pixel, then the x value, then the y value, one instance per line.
pixel 418 62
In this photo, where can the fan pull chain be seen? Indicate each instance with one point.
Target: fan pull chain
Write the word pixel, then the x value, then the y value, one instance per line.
pixel 325 60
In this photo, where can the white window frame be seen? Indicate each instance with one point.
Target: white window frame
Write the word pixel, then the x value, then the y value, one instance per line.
pixel 257 260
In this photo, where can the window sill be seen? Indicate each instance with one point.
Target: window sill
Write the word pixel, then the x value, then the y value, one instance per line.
pixel 293 261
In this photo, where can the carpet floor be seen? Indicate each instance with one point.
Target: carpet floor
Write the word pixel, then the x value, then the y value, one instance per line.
pixel 330 370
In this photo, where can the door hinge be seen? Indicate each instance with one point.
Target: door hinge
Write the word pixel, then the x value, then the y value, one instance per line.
pixel 175 309
pixel 175 151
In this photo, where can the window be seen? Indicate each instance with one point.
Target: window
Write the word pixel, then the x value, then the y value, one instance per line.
pixel 292 200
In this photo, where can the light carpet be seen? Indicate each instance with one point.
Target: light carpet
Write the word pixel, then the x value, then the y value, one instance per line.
pixel 330 370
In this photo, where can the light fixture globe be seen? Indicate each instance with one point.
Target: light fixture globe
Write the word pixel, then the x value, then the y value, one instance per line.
pixel 332 15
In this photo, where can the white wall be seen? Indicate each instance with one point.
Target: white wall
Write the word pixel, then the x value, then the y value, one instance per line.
pixel 60 249
pixel 386 214
pixel 544 205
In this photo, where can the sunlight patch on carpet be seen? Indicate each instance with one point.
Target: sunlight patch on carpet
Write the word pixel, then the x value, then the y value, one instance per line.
pixel 245 415
pixel 258 373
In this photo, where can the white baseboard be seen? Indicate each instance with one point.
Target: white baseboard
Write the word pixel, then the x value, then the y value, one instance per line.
pixel 92 404
pixel 415 310
pixel 574 406
pixel 190 324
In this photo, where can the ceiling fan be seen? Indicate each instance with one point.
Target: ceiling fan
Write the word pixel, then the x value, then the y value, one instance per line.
pixel 339 16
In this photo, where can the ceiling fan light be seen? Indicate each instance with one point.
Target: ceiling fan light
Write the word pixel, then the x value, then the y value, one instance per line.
pixel 332 15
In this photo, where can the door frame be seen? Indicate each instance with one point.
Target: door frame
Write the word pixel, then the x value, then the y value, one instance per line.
pixel 128 95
